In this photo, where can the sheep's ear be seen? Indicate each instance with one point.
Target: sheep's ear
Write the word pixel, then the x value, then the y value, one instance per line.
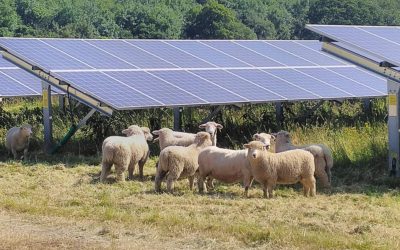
pixel 256 136
pixel 202 125
pixel 156 132
pixel 265 147
pixel 125 131
pixel 155 140
pixel 273 137
pixel 246 146
pixel 219 126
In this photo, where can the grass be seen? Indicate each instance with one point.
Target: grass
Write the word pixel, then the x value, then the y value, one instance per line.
pixel 52 202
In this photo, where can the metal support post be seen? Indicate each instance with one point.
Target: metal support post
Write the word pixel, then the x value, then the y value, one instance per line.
pixel 212 114
pixel 367 105
pixel 61 102
pixel 177 119
pixel 393 127
pixel 47 116
pixel 279 114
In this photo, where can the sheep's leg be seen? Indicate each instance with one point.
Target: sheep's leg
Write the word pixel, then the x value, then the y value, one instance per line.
pixel 210 184
pixel 270 189
pixel 201 184
pixel 141 166
pixel 120 172
pixel 172 177
pixel 247 183
pixel 15 154
pixel 313 187
pixel 160 175
pixel 105 171
pixel 191 181
pixel 131 169
pixel 265 189
pixel 25 154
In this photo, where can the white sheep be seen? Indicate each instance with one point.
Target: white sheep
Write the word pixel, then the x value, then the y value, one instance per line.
pixel 17 139
pixel 180 162
pixel 322 156
pixel 287 167
pixel 264 138
pixel 125 152
pixel 225 165
pixel 166 138
pixel 212 128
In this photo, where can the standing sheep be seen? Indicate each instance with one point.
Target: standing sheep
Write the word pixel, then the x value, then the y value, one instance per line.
pixel 264 138
pixel 125 152
pixel 17 139
pixel 166 138
pixel 180 162
pixel 322 156
pixel 225 165
pixel 287 167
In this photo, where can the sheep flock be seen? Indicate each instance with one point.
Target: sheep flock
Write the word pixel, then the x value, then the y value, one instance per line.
pixel 196 156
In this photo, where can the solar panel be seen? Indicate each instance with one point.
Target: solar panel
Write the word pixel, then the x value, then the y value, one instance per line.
pixel 131 74
pixel 382 42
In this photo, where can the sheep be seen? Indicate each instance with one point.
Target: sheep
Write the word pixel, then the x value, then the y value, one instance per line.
pixel 17 139
pixel 225 165
pixel 322 156
pixel 166 138
pixel 125 152
pixel 180 162
pixel 212 128
pixel 288 167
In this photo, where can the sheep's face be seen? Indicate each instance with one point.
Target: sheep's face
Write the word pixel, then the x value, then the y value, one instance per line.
pixel 203 138
pixel 211 127
pixel 255 149
pixel 264 138
pixel 132 130
pixel 147 134
pixel 26 131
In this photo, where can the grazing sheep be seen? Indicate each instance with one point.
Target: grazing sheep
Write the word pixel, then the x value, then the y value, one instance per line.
pixel 166 138
pixel 180 162
pixel 212 128
pixel 287 167
pixel 225 165
pixel 125 152
pixel 17 139
pixel 322 156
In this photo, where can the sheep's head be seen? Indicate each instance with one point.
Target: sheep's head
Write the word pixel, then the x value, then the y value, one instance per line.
pixel 26 131
pixel 264 138
pixel 133 130
pixel 162 132
pixel 203 138
pixel 211 127
pixel 255 149
pixel 147 133
pixel 282 137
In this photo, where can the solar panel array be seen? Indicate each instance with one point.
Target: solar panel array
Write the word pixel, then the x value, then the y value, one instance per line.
pixel 128 74
pixel 380 43
pixel 17 82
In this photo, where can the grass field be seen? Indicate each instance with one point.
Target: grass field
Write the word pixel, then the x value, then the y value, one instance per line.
pixel 57 202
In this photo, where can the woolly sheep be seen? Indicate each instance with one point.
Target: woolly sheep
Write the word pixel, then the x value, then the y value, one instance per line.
pixel 212 128
pixel 287 167
pixel 17 139
pixel 264 138
pixel 180 162
pixel 322 156
pixel 225 165
pixel 166 138
pixel 125 152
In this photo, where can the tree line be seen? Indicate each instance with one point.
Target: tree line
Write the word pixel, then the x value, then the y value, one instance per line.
pixel 187 19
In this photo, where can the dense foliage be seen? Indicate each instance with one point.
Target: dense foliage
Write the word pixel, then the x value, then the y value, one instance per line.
pixel 207 19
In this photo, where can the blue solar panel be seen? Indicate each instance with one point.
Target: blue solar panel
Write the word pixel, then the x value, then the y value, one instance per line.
pixel 132 54
pixel 89 55
pixel 129 74
pixel 10 86
pixel 243 54
pixel 234 83
pixel 201 88
pixel 208 54
pixel 382 42
pixel 161 90
pixel 170 54
pixel 344 83
pixel 110 91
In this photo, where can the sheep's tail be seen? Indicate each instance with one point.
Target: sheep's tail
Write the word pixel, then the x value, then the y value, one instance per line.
pixel 165 160
pixel 329 162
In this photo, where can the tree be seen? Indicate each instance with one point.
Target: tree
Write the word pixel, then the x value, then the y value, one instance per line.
pixel 9 19
pixel 214 21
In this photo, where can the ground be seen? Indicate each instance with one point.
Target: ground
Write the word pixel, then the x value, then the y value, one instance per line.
pixel 53 206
